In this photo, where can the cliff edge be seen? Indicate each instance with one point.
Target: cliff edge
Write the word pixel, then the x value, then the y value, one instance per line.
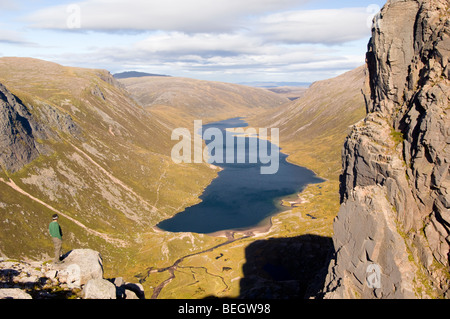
pixel 391 235
pixel 79 275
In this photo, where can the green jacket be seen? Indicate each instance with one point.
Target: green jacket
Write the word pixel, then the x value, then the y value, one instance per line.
pixel 55 230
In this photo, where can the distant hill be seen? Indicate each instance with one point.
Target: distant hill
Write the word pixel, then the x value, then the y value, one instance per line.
pixel 291 92
pixel 182 100
pixel 135 74
pixel 276 84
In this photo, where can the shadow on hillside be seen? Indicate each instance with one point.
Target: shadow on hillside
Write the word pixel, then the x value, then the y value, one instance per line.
pixel 286 268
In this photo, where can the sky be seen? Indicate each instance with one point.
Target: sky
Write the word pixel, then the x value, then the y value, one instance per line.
pixel 221 40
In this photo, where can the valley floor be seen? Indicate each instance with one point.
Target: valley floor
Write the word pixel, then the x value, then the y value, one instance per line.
pixel 261 262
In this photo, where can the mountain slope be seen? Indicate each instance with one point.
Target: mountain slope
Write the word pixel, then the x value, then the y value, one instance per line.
pixel 393 226
pixel 185 100
pixel 134 74
pixel 313 128
pixel 74 142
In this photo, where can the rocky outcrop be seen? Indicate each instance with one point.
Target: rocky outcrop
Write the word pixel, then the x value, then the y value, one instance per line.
pixel 79 275
pixel 13 293
pixel 58 121
pixel 391 235
pixel 17 127
pixel 23 128
pixel 80 266
pixel 99 289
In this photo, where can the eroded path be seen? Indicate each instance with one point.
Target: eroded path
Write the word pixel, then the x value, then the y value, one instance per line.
pixel 106 237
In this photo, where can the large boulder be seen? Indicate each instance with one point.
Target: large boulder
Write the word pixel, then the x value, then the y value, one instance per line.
pixel 80 274
pixel 127 290
pixel 13 293
pixel 80 266
pixel 99 289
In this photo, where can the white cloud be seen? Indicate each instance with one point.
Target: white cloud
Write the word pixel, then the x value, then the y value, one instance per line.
pixel 8 5
pixel 201 38
pixel 13 37
pixel 237 49
pixel 314 26
pixel 204 44
pixel 169 15
pixel 224 56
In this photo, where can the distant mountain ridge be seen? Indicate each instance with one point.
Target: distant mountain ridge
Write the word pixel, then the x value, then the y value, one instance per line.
pixel 268 85
pixel 185 99
pixel 135 74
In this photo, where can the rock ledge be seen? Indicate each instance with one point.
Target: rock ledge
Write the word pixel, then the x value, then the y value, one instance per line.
pixel 79 275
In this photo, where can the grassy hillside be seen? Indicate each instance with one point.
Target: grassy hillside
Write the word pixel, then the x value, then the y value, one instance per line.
pixel 113 179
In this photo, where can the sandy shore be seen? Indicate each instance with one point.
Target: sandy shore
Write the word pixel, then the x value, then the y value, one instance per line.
pixel 251 231
pixel 230 233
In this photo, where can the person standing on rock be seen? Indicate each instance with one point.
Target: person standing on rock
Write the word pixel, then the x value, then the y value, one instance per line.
pixel 56 233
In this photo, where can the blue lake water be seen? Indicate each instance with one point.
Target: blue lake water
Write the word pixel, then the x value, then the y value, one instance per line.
pixel 241 197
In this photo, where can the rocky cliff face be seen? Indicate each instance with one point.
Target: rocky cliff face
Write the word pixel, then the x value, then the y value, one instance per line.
pixel 391 235
pixel 23 128
pixel 16 132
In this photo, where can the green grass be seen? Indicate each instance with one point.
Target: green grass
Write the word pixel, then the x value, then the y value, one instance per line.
pixel 397 137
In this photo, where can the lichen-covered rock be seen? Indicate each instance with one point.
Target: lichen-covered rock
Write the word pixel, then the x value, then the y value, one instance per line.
pixel 80 266
pixel 13 293
pixel 395 181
